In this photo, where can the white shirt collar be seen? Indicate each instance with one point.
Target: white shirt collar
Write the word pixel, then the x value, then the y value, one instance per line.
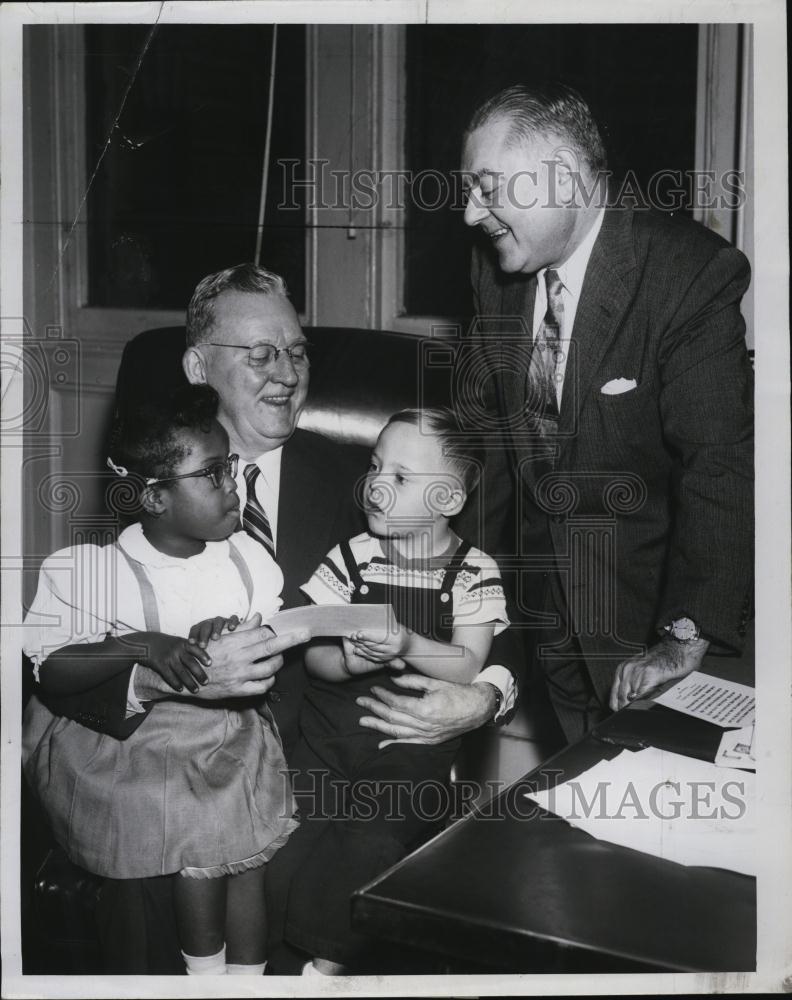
pixel 135 543
pixel 269 463
pixel 573 271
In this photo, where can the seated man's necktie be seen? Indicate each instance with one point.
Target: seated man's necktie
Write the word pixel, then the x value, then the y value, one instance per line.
pixel 542 382
pixel 254 518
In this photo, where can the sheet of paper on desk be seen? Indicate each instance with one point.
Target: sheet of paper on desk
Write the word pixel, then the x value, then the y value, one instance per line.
pixel 738 748
pixel 334 619
pixel 674 807
pixel 725 703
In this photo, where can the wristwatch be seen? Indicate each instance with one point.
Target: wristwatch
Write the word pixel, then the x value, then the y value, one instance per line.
pixel 683 630
pixel 498 702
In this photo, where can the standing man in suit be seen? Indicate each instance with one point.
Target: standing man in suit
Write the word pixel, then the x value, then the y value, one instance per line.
pixel 610 345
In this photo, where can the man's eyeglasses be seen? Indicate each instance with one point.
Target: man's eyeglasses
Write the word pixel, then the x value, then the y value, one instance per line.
pixel 216 473
pixel 266 355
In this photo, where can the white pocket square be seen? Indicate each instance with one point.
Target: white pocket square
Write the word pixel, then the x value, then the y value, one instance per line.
pixel 617 386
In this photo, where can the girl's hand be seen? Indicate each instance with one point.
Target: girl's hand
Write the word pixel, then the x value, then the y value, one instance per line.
pixel 211 628
pixel 382 650
pixel 179 662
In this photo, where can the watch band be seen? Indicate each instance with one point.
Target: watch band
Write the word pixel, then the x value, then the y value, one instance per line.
pixel 498 702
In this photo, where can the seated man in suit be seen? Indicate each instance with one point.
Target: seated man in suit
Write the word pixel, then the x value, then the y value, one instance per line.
pixel 296 495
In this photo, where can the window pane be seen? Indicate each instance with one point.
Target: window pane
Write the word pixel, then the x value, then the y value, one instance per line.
pixel 177 193
pixel 640 81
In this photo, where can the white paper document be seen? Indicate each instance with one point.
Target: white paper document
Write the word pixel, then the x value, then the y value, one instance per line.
pixel 334 619
pixel 673 807
pixel 725 703
pixel 738 748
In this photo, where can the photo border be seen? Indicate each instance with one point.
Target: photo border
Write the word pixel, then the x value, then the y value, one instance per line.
pixel 774 639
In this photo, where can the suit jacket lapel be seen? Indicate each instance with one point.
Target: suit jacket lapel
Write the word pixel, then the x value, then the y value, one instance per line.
pixel 517 304
pixel 298 532
pixel 604 299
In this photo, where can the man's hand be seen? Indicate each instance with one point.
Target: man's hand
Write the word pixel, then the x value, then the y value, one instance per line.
pixel 445 711
pixel 243 664
pixel 667 660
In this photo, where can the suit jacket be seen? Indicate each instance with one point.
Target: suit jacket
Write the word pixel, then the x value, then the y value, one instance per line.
pixel 316 510
pixel 645 501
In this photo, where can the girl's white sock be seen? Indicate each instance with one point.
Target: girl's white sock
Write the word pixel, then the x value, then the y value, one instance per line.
pixel 310 970
pixel 246 970
pixel 206 965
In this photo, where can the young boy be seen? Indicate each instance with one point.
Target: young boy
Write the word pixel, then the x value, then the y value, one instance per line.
pixel 448 601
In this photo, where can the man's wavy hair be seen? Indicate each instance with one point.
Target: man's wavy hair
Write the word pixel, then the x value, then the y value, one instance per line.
pixel 239 278
pixel 551 109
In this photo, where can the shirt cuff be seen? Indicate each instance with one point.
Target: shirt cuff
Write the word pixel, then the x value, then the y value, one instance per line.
pixel 133 706
pixel 503 680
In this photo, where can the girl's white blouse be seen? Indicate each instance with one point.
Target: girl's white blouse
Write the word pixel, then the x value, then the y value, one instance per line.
pixel 87 592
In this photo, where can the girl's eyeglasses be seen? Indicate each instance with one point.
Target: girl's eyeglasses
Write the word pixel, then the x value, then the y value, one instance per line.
pixel 216 473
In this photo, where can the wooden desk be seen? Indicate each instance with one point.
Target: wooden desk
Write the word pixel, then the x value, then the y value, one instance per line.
pixel 522 891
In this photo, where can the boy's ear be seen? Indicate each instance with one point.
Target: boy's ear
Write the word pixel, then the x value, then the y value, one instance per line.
pixel 152 500
pixel 194 366
pixel 455 503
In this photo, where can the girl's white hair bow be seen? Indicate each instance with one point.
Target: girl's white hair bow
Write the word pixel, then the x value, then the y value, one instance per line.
pixel 118 469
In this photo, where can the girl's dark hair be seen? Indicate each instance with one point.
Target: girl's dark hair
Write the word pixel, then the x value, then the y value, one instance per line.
pixel 146 439
pixel 465 457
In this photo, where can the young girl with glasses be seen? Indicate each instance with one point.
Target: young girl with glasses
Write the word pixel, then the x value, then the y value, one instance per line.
pixel 199 790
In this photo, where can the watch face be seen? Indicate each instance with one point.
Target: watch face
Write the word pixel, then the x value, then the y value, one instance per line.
pixel 684 629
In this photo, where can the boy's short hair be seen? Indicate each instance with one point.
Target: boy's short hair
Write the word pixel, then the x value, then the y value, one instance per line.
pixel 465 457
pixel 145 440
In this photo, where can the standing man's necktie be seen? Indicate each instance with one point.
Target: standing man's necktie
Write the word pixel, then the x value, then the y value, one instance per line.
pixel 543 372
pixel 254 519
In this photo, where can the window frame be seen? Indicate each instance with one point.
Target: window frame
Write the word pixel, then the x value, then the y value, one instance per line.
pixel 356 106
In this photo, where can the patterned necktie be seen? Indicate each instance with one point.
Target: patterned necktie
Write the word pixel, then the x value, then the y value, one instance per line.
pixel 542 400
pixel 254 519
